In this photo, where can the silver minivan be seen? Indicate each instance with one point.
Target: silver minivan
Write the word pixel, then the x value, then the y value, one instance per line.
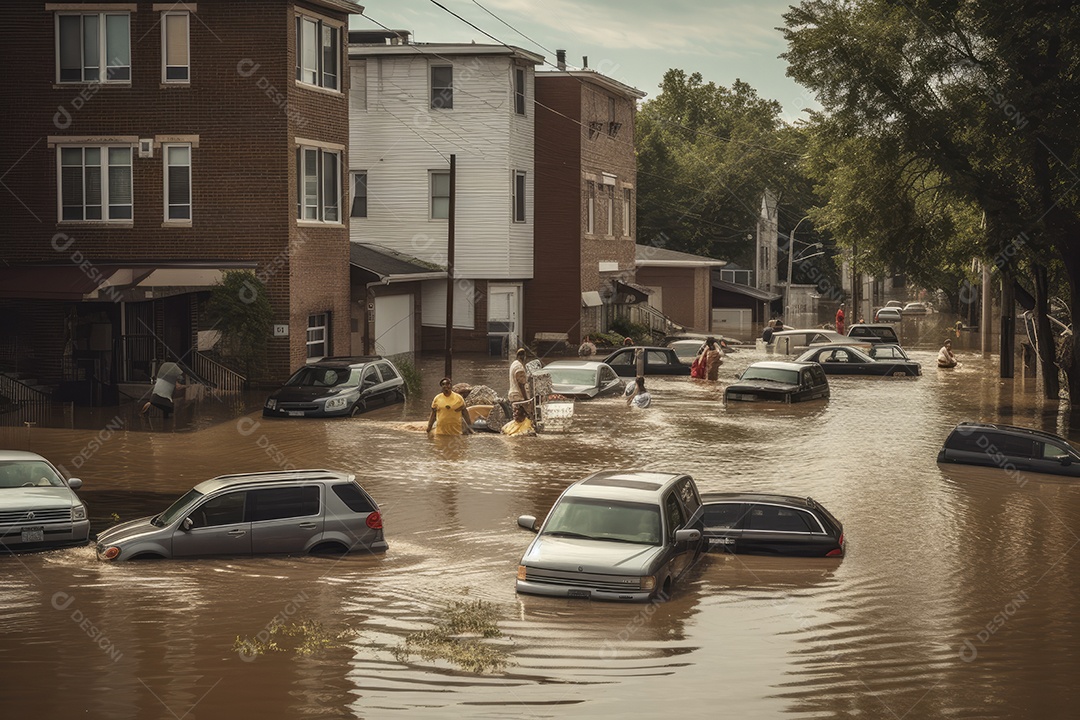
pixel 616 535
pixel 293 512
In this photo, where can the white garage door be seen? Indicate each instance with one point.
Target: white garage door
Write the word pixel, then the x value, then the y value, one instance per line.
pixel 393 324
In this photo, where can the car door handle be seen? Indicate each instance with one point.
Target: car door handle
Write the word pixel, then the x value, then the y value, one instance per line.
pixel 308 526
pixel 237 532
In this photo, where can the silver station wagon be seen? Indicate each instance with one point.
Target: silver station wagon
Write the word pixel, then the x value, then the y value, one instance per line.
pixel 38 508
pixel 616 535
pixel 293 512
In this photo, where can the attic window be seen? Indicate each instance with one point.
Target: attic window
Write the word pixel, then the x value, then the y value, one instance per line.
pixel 595 128
pixel 613 128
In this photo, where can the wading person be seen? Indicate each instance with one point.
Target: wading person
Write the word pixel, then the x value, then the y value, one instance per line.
pixel 713 357
pixel 640 397
pixel 449 416
pixel 945 356
pixel 169 378
pixel 520 425
pixel 518 378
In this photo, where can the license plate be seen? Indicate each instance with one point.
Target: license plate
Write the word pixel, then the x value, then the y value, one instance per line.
pixel 33 534
pixel 579 593
pixel 296 413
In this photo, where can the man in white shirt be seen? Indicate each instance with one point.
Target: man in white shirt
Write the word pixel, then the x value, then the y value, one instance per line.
pixel 518 378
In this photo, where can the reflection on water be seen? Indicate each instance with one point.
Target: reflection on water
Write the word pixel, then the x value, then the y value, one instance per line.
pixel 956 598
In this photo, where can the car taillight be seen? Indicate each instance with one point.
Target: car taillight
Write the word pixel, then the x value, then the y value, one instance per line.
pixel 374 521
pixel 838 552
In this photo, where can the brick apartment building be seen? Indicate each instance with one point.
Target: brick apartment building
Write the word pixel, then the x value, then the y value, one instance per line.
pixel 586 175
pixel 148 148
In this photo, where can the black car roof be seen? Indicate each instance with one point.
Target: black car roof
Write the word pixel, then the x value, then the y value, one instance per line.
pixel 345 362
pixel 1016 430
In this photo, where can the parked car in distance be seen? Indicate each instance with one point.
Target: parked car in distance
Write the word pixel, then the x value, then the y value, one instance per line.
pixel 616 535
pixel 658 361
pixel 766 524
pixel 39 509
pixel 848 360
pixel 874 333
pixel 895 304
pixel 916 308
pixel 1010 448
pixel 337 386
pixel 286 512
pixel 888 315
pixel 887 352
pixel 583 379
pixel 792 342
pixel 785 382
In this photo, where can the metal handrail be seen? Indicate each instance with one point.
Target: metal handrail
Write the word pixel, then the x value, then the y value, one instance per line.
pixel 222 379
pixel 21 392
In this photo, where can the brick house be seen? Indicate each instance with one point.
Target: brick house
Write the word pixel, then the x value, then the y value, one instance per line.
pixel 586 175
pixel 149 148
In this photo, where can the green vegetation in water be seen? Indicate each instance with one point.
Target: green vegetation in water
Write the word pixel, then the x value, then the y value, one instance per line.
pixel 409 373
pixel 460 636
pixel 305 637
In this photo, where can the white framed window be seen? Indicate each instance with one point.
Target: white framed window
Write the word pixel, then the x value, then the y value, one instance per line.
pixel 627 207
pixel 93 47
pixel 175 47
pixel 318 336
pixel 95 183
pixel 318 53
pixel 177 159
pixel 519 91
pixel 318 185
pixel 519 196
pixel 609 200
pixel 359 194
pixel 442 87
pixel 590 207
pixel 440 195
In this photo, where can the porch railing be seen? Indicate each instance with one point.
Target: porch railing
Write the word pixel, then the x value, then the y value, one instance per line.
pixel 219 377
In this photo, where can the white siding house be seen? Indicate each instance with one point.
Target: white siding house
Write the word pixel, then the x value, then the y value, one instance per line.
pixel 412 106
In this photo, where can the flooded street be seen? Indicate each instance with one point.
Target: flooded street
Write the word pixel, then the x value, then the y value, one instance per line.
pixel 958 595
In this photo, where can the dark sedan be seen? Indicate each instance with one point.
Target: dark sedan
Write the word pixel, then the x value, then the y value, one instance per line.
pixel 1013 449
pixel 658 361
pixel 337 386
pixel 770 525
pixel 785 382
pixel 848 360
pixel 583 379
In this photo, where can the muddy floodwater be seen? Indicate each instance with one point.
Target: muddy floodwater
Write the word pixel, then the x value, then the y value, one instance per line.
pixel 959 595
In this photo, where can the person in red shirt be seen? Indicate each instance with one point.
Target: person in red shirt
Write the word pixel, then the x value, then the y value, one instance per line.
pixel 840 319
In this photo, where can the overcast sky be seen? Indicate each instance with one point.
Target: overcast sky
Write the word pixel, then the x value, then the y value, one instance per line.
pixel 633 41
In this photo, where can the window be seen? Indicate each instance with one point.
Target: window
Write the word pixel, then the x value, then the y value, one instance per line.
pixel 353 498
pixel 590 207
pixel 318 173
pixel 282 503
pixel 225 509
pixel 318 335
pixel 359 196
pixel 519 197
pixel 609 192
pixel 371 377
pixel 387 372
pixel 723 515
pixel 177 182
pixel 440 195
pixel 88 42
pixel 625 357
pixel 175 47
pixel 772 518
pixel 688 494
pixel 673 514
pixel 627 205
pixel 442 87
pixel 318 53
pixel 95 183
pixel 519 91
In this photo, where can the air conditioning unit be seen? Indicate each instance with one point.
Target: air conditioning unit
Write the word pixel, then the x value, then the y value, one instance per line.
pixel 146 147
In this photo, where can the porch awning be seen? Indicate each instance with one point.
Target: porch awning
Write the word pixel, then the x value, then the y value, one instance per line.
pixel 640 293
pixel 111 281
pixel 591 298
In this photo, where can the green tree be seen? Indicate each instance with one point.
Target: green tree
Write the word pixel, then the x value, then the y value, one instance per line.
pixel 240 309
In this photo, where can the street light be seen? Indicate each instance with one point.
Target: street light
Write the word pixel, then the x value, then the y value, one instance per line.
pixel 791 262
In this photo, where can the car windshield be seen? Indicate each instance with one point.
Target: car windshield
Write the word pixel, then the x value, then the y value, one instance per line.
pixel 790 377
pixel 571 376
pixel 605 520
pixel 177 508
pixel 28 473
pixel 315 376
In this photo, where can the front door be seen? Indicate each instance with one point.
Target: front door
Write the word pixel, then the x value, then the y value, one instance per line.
pixel 504 309
pixel 218 528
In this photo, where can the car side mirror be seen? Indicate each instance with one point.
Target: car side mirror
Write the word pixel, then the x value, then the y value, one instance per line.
pixel 187 524
pixel 1066 460
pixel 687 535
pixel 528 522
pixel 74 483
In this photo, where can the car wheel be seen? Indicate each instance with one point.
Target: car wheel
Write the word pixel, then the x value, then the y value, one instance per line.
pixel 329 548
pixel 148 556
pixel 357 408
pixel 400 395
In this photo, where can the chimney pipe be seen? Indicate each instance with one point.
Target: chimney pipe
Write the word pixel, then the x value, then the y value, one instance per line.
pixel 584 62
pixel 560 59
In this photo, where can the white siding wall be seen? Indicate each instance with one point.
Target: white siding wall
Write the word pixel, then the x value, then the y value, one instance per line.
pixel 397 138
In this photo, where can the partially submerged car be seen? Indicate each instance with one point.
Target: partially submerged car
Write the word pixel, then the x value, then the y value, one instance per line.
pixel 791 342
pixel 39 509
pixel 850 360
pixel 887 352
pixel 291 512
pixel 916 308
pixel 658 361
pixel 766 524
pixel 337 386
pixel 1010 448
pixel 774 381
pixel 583 379
pixel 616 535
pixel 876 333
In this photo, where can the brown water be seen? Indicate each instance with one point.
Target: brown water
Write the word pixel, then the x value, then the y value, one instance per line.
pixel 900 628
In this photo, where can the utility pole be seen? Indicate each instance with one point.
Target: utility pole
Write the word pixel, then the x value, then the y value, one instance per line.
pixel 449 348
